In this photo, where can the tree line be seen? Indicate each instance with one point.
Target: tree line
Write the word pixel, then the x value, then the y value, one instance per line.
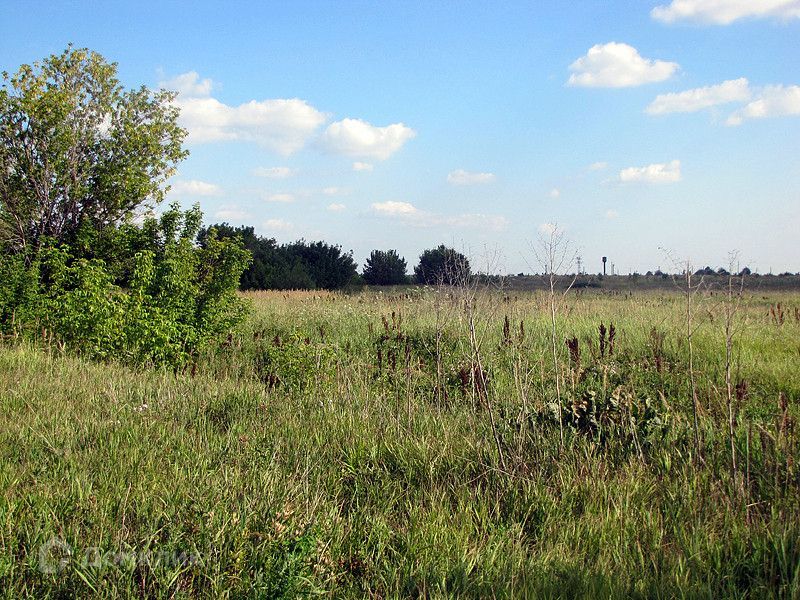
pixel 320 265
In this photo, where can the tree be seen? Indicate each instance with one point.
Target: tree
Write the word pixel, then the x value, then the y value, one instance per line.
pixel 385 267
pixel 76 148
pixel 259 275
pixel 78 156
pixel 442 265
pixel 327 265
pixel 299 265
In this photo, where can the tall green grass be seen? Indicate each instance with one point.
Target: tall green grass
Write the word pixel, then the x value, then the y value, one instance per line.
pixel 312 454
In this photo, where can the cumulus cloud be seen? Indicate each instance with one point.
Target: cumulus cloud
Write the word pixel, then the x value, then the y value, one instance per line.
pixel 617 65
pixel 194 187
pixel 280 197
pixel 362 166
pixel 734 90
pixel 772 101
pixel 189 85
pixel 336 207
pixel 656 173
pixel 394 208
pixel 274 172
pixel 598 166
pixel 278 225
pixel 462 177
pixel 354 137
pixel 411 215
pixel 724 12
pixel 282 125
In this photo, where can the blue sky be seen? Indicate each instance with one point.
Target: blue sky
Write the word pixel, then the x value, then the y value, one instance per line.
pixel 636 126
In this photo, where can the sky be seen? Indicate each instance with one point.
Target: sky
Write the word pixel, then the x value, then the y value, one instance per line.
pixel 648 131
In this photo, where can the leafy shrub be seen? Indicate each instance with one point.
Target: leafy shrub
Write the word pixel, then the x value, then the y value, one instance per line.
pixel 159 299
pixel 295 363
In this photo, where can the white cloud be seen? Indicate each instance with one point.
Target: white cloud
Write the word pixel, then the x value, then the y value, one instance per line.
pixel 354 137
pixel 274 172
pixel 194 187
pixel 362 166
pixel 189 85
pixel 611 214
pixel 772 101
pixel 724 12
pixel 277 225
pixel 411 215
pixel 598 166
pixel 734 90
pixel 656 173
pixel 335 207
pixel 393 208
pixel 617 65
pixel 281 125
pixel 462 177
pixel 280 197
pixel 555 193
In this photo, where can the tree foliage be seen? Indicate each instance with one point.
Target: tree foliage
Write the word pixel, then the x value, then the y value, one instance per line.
pixel 77 148
pixel 298 265
pixel 385 267
pixel 442 266
pixel 172 299
pixel 78 156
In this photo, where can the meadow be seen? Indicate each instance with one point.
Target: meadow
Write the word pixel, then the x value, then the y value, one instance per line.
pixel 436 442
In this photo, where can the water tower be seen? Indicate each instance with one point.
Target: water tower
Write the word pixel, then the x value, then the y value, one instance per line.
pixel 605 258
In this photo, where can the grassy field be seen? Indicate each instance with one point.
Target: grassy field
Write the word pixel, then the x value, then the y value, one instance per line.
pixel 412 444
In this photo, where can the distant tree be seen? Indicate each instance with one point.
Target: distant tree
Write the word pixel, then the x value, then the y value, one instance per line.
pixel 385 267
pixel 77 150
pixel 722 271
pixel 300 265
pixel 745 271
pixel 326 264
pixel 266 261
pixel 442 265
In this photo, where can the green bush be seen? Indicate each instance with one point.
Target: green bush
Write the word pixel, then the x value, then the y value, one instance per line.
pixel 158 298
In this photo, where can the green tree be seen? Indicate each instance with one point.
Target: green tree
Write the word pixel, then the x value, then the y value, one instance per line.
pixel 328 266
pixel 442 265
pixel 385 268
pixel 299 265
pixel 78 156
pixel 77 148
